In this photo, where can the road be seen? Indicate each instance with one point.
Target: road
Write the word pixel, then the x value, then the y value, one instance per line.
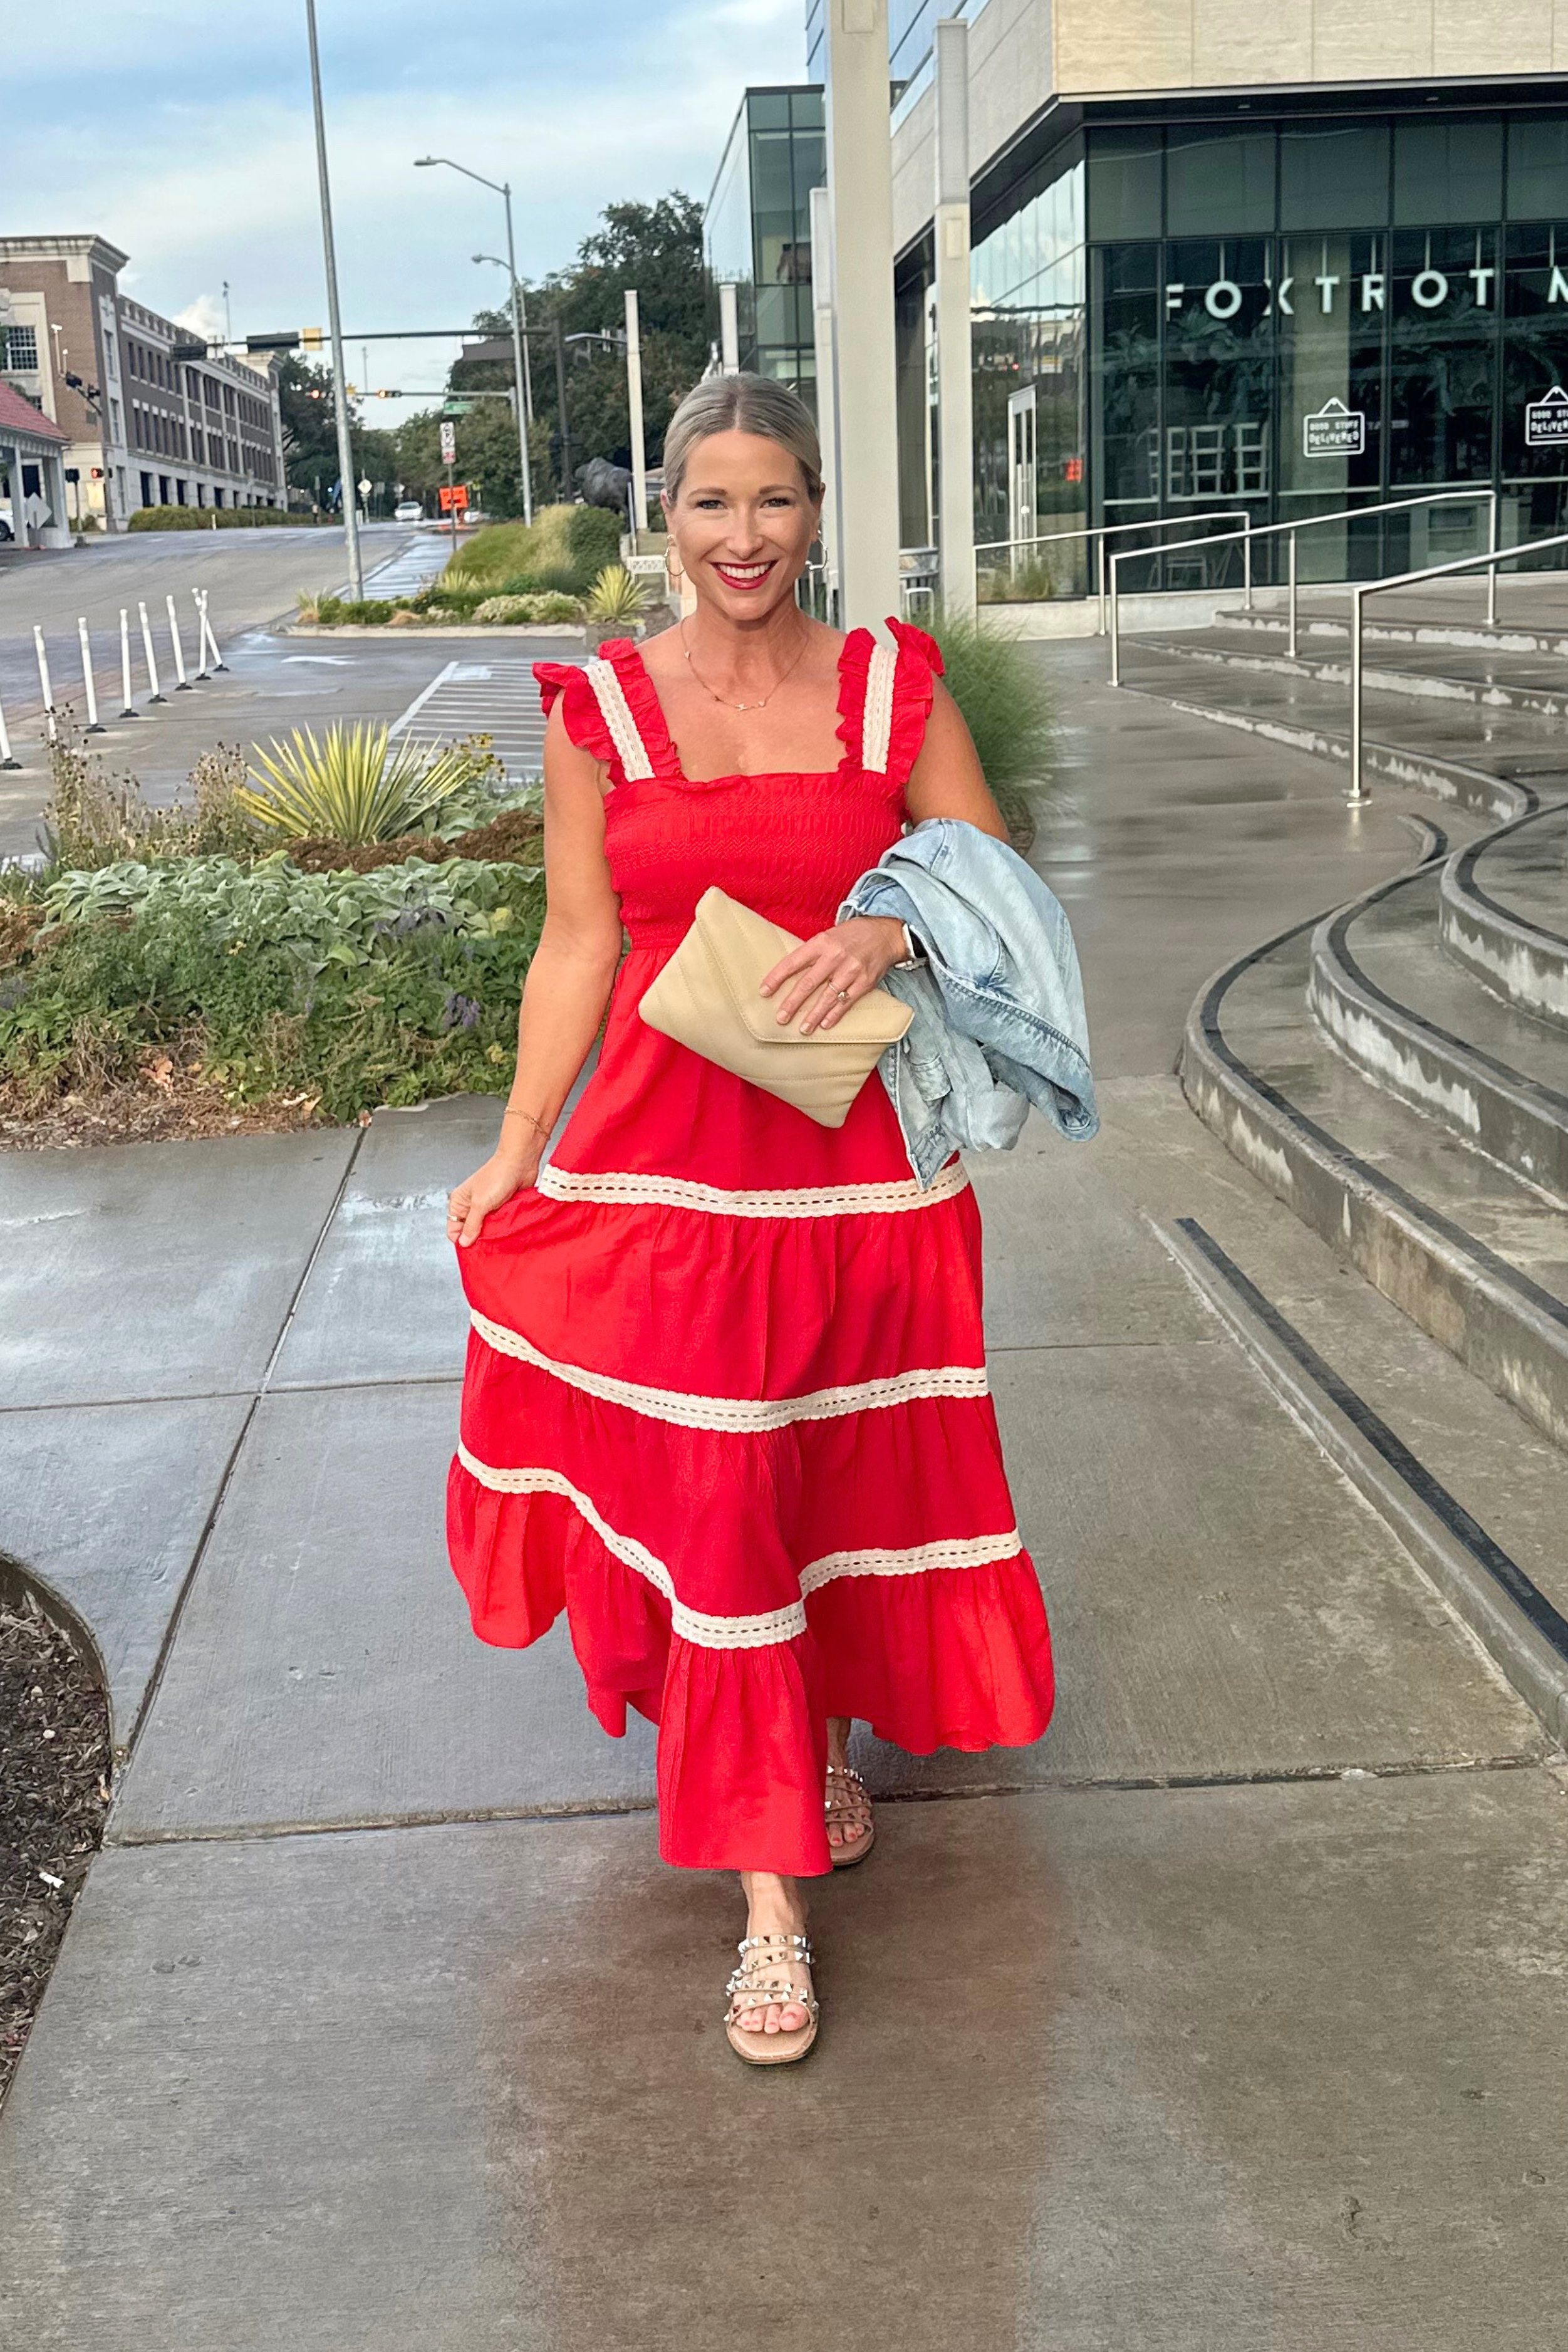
pixel 249 577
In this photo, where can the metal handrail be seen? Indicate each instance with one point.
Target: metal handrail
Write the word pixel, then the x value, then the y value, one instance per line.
pixel 1309 522
pixel 1360 591
pixel 1101 532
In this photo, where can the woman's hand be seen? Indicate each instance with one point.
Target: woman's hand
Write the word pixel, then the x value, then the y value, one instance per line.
pixel 829 974
pixel 504 1173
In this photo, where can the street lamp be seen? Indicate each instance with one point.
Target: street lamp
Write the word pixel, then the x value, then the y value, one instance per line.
pixel 523 322
pixel 339 386
pixel 503 188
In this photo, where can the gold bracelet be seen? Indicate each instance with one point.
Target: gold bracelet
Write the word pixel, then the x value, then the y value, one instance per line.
pixel 538 1126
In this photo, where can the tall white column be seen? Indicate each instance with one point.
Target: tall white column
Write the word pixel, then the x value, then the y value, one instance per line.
pixel 729 330
pixel 827 391
pixel 635 407
pixel 56 531
pixel 955 382
pixel 860 183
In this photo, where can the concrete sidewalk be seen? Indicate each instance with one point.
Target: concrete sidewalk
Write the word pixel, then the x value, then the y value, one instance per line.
pixel 379 2028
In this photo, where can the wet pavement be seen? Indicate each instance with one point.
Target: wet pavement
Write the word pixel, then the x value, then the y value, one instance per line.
pixel 379 2024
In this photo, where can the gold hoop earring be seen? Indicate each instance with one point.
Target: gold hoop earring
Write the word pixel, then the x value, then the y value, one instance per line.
pixel 673 572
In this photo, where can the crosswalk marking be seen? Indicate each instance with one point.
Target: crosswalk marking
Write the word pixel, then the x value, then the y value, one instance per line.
pixel 497 698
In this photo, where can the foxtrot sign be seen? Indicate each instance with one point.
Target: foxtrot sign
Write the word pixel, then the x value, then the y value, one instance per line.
pixel 1546 421
pixel 1335 431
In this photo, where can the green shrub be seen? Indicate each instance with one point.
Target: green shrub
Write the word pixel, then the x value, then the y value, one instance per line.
pixel 355 784
pixel 1008 704
pixel 225 519
pixel 519 610
pixel 90 819
pixel 353 990
pixel 616 598
pixel 564 547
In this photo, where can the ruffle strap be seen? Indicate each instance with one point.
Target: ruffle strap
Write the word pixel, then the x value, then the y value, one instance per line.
pixel 917 662
pixel 584 719
pixel 625 658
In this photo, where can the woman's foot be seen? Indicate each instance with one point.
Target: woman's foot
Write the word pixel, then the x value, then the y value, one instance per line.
pixel 851 1828
pixel 773 1909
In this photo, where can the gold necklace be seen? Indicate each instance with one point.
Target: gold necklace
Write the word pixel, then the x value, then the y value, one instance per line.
pixel 724 703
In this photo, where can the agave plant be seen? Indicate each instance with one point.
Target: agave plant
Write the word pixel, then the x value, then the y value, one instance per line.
pixel 615 595
pixel 353 785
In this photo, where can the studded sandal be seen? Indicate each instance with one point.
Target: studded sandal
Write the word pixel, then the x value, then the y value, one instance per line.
pixel 770 1966
pixel 847 1807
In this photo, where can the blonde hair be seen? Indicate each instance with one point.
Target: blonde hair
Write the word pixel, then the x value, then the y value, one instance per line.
pixel 742 404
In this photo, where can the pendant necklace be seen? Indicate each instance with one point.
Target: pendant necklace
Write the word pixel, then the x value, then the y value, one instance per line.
pixel 721 699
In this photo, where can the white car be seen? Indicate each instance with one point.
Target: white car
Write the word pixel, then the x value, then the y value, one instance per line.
pixel 409 510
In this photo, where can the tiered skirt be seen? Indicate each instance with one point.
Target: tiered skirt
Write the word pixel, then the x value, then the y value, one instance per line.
pixel 742 1436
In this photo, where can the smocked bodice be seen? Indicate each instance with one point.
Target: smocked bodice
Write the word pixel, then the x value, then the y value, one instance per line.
pixel 788 844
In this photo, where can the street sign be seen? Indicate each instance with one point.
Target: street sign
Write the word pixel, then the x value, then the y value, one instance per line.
pixel 365 486
pixel 455 498
pixel 449 444
pixel 456 407
pixel 1546 421
pixel 1335 431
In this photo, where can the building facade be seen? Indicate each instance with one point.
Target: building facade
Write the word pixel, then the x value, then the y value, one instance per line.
pixel 150 419
pixel 1286 262
pixel 757 232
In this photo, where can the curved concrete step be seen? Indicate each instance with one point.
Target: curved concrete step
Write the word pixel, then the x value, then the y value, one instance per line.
pixel 1503 912
pixel 1493 690
pixel 1469 1251
pixel 1412 1022
pixel 1458 785
pixel 1468 635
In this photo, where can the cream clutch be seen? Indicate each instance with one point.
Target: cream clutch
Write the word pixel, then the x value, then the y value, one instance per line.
pixel 707 997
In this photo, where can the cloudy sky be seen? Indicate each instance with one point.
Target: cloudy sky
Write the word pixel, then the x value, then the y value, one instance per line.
pixel 180 131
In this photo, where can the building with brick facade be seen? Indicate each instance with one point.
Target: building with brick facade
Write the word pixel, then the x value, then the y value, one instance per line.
pixel 149 422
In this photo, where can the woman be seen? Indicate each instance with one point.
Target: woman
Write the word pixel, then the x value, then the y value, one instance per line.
pixel 725 1398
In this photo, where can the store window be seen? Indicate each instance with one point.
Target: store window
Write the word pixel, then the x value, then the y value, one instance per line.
pixel 1333 175
pixel 1442 340
pixel 1219 352
pixel 1218 182
pixel 1125 377
pixel 1447 172
pixel 1124 180
pixel 1538 168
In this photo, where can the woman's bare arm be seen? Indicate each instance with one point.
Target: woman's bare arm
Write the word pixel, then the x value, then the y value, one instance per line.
pixel 948 779
pixel 827 974
pixel 568 980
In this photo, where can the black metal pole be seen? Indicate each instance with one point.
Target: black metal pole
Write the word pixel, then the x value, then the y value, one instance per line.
pixel 561 399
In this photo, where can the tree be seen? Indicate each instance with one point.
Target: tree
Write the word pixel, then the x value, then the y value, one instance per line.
pixel 310 423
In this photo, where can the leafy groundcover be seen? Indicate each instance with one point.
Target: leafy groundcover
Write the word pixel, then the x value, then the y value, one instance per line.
pixel 270 995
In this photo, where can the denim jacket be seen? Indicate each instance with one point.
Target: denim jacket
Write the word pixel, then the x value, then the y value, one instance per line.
pixel 999 1003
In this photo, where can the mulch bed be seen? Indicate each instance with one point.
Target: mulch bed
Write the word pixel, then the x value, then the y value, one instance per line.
pixel 165 1105
pixel 54 1766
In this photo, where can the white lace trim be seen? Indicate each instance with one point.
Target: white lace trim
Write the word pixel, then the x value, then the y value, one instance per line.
pixel 617 715
pixel 771 1625
pixel 812 1201
pixel 918 1559
pixel 741 1413
pixel 876 723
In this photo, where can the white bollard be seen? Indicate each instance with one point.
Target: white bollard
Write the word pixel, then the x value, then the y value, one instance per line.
pixel 7 758
pixel 217 660
pixel 50 721
pixel 184 684
pixel 156 694
pixel 129 710
pixel 202 670
pixel 94 725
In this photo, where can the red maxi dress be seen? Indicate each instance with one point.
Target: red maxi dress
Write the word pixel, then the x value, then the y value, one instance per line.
pixel 726 1400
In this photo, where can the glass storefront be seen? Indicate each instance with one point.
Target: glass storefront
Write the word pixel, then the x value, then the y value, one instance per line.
pixel 1287 318
pixel 758 231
